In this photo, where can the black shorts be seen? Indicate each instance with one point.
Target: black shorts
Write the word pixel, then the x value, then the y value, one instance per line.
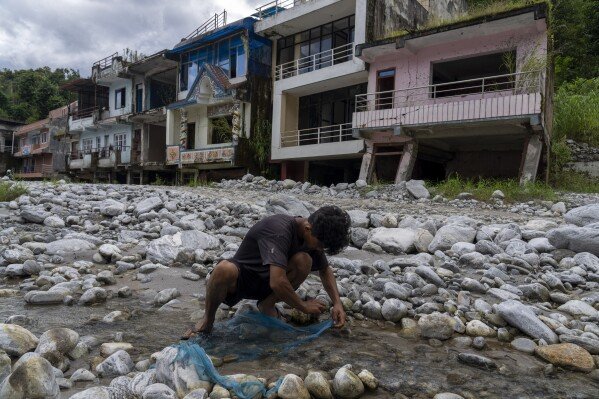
pixel 250 285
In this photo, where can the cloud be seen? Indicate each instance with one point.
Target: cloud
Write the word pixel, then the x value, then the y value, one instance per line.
pixel 75 33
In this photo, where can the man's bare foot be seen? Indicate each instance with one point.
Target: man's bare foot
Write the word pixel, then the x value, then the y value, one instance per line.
pixel 200 327
pixel 267 309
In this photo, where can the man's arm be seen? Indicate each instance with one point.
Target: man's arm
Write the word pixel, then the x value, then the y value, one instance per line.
pixel 330 286
pixel 281 286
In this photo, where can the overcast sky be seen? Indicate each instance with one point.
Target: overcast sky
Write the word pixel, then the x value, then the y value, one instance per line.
pixel 75 33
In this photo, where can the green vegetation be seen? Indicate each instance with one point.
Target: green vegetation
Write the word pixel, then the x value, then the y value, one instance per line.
pixel 158 182
pixel 259 143
pixel 567 180
pixel 576 114
pixel 29 94
pixel 10 191
pixel 482 189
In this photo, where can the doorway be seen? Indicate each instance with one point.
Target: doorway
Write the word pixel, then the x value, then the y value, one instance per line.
pixel 139 97
pixel 385 84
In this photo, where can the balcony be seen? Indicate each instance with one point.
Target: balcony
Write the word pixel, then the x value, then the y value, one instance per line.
pixel 507 96
pixel 31 149
pixel 315 62
pixel 275 7
pixel 104 157
pixel 82 119
pixel 215 153
pixel 317 135
pixel 36 171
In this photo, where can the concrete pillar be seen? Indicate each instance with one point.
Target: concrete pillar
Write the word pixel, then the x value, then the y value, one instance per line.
pixel 367 165
pixel 129 177
pixel 283 170
pixel 406 164
pixel 531 158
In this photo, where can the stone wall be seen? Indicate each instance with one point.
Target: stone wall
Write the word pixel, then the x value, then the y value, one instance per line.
pixel 389 17
pixel 585 158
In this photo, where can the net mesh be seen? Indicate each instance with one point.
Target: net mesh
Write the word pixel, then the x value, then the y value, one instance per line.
pixel 247 336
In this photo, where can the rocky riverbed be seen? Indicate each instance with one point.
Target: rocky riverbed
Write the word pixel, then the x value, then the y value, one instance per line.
pixel 445 299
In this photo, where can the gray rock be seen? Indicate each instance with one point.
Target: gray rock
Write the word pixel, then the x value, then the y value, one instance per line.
pixel 583 215
pixel 417 189
pixel 68 246
pixel 579 308
pixel 164 250
pixel 429 274
pixel 590 344
pixel 158 391
pixel 397 240
pixel 359 236
pixel 394 310
pixel 96 393
pixel 372 310
pixel 16 340
pixel 359 218
pixel 577 239
pixel 45 297
pixel 524 345
pixel 148 204
pixel 82 375
pixel 394 290
pixel 287 205
pixel 34 215
pixel 292 387
pixel 523 318
pixel 5 366
pixel 450 234
pixel 55 343
pixel 318 385
pixel 119 363
pixel 93 295
pixel 436 325
pixel 166 295
pixel 347 385
pixel 54 221
pixel 477 361
pixel 32 377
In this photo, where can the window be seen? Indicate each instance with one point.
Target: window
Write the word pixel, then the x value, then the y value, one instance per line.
pixel 221 129
pixel 86 145
pixel 98 143
pixel 119 98
pixel 316 41
pixel 44 137
pixel 448 77
pixel 228 53
pixel 139 97
pixel 385 85
pixel 120 141
pixel 35 139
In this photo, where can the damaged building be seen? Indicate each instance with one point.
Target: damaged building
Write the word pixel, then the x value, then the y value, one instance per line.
pixel 119 121
pixel 40 148
pixel 469 98
pixel 223 93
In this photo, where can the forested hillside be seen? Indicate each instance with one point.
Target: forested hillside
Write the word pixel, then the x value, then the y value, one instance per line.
pixel 28 94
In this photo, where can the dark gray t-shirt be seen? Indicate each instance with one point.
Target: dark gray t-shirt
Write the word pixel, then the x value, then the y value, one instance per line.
pixel 273 241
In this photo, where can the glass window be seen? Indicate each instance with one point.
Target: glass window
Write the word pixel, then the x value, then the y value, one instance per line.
pixel 183 77
pixel 233 62
pixel 119 98
pixel 192 73
pixel 241 61
pixel 120 141
pixel 223 55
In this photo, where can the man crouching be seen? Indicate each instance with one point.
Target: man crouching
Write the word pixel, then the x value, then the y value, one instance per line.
pixel 274 259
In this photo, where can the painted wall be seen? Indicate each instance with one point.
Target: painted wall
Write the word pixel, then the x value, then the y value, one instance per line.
pixel 414 70
pixel 110 130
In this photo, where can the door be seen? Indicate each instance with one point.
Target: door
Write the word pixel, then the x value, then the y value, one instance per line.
pixel 191 136
pixel 136 146
pixel 139 97
pixel 385 85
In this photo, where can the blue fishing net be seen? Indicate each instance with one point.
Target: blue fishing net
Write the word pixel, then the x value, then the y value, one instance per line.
pixel 247 336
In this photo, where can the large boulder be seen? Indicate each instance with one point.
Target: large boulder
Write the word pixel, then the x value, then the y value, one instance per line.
pixel 318 385
pixel 117 364
pixel 287 205
pixel 111 207
pixel 55 343
pixel 583 215
pixel 292 387
pixel 16 340
pixel 450 234
pixel 436 325
pixel 96 393
pixel 523 318
pixel 395 240
pixel 567 355
pixel 32 378
pixel 576 307
pixel 577 239
pixel 417 189
pixel 164 250
pixel 34 215
pixel 68 246
pixel 148 204
pixel 347 385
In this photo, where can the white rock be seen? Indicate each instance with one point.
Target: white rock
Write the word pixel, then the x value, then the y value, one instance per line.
pixel 292 387
pixel 119 363
pixel 347 385
pixel 396 240
pixel 16 340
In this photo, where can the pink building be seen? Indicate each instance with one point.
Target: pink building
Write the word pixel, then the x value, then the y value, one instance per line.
pixel 471 98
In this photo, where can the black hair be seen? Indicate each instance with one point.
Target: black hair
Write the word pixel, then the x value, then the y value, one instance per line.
pixel 330 225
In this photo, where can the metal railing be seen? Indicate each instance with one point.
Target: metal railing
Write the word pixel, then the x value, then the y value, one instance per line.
pixel 106 61
pixel 317 135
pixel 275 7
pixel 508 84
pixel 103 152
pixel 314 62
pixel 44 169
pixel 215 22
pixel 83 113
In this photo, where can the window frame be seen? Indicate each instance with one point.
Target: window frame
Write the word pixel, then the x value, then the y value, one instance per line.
pixel 123 101
pixel 120 141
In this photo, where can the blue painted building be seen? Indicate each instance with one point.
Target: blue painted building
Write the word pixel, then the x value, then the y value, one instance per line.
pixel 223 92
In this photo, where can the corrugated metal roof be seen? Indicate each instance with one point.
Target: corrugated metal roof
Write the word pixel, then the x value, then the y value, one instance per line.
pixel 32 127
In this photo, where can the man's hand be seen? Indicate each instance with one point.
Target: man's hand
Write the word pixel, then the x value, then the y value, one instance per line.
pixel 313 306
pixel 338 315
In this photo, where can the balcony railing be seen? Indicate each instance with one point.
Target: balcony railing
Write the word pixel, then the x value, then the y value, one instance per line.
pixel 275 7
pixel 84 113
pixel 215 22
pixel 314 62
pixel 106 61
pixel 488 97
pixel 317 135
pixel 39 169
